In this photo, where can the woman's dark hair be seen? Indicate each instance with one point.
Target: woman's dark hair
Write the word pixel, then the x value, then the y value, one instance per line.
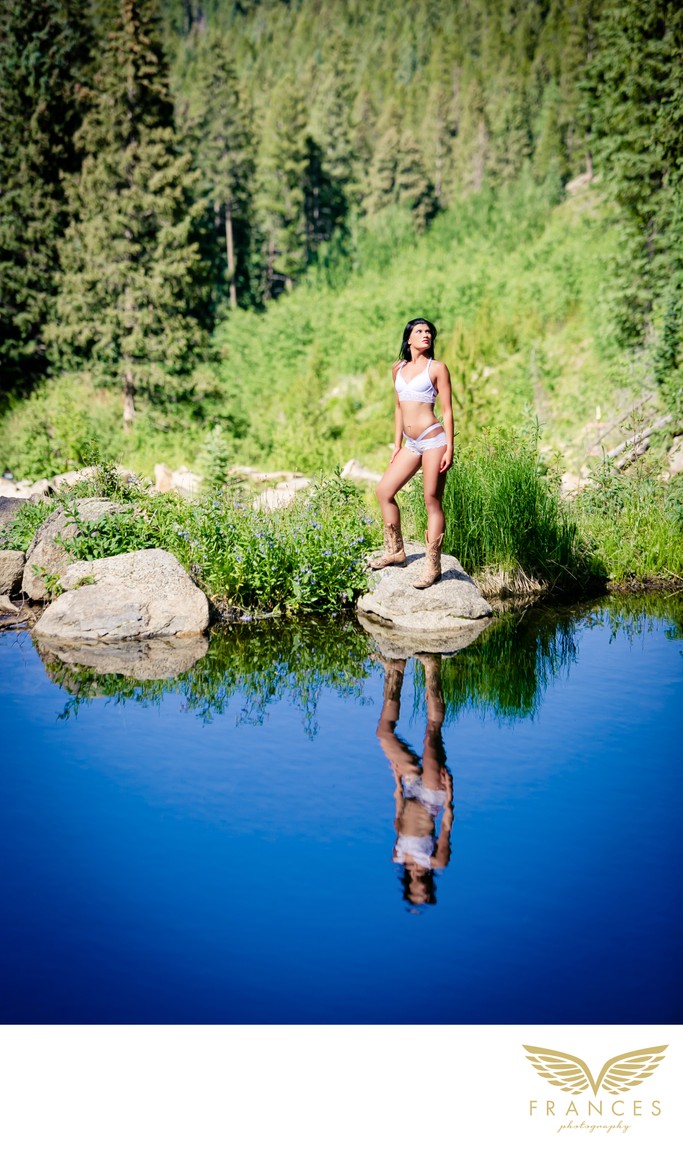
pixel 405 350
pixel 418 889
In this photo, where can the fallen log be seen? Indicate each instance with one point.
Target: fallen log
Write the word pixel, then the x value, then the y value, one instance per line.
pixel 638 437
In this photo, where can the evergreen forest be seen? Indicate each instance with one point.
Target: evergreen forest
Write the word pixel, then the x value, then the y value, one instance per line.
pixel 217 216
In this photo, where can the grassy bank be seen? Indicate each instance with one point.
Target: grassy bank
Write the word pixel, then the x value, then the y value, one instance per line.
pixel 307 557
pixel 505 519
pixel 507 523
pixel 511 528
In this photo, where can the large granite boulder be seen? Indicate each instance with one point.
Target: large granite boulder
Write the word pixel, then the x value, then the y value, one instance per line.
pixel 45 551
pixel 11 571
pixel 139 595
pixel 142 659
pixel 436 619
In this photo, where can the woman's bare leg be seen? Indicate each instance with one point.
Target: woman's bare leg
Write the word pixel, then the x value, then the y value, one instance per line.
pixel 434 482
pixel 402 468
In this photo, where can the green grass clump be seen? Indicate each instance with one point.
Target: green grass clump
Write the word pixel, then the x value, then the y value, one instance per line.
pixel 505 519
pixel 634 523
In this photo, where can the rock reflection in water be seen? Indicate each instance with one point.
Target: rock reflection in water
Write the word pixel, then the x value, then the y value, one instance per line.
pixel 144 660
pixel 401 643
pixel 424 789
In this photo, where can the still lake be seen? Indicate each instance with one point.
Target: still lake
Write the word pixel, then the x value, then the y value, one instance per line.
pixel 295 832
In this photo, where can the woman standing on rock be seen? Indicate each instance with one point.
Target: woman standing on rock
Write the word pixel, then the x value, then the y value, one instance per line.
pixel 418 380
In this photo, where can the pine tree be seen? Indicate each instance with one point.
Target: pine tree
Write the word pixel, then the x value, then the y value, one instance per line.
pixel 398 175
pixel 129 263
pixel 632 85
pixel 44 60
pixel 282 195
pixel 439 130
pixel 217 127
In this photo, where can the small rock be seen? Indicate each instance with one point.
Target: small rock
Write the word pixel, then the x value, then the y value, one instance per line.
pixel 186 482
pixel 138 595
pixel 259 476
pixel 163 477
pixel 8 488
pixel 354 470
pixel 7 607
pixel 272 498
pixel 68 478
pixel 11 571
pixel 570 484
pixel 144 660
pixel 293 484
pixel 9 505
pixel 26 488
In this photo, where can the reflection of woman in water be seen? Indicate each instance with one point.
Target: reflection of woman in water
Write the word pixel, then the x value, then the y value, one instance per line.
pixel 423 793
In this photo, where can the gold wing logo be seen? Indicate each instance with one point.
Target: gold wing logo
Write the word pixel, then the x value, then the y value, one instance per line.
pixel 616 1077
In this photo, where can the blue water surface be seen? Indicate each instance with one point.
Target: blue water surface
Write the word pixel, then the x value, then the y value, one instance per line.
pixel 159 867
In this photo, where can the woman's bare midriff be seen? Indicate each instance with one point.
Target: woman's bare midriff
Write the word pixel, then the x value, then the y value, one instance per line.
pixel 417 417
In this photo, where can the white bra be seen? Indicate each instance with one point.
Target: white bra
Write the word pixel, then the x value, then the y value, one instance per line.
pixel 419 390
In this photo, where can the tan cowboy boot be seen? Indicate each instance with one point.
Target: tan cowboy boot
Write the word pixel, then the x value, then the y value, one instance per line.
pixel 394 551
pixel 433 688
pixel 432 564
pixel 394 670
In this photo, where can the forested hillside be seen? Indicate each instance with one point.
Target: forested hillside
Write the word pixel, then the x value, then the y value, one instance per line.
pixel 218 216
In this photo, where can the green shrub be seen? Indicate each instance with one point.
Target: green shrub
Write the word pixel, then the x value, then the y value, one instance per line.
pixel 16 535
pixel 306 557
pixel 126 530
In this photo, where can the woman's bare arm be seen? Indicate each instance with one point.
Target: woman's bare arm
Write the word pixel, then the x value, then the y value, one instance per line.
pixel 442 378
pixel 398 416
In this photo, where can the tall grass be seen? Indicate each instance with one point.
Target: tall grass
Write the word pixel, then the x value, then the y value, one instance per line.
pixel 634 523
pixel 505 519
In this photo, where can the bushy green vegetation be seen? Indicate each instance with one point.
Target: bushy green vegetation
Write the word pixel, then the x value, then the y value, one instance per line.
pixel 515 285
pixel 18 533
pixel 307 557
pixel 511 528
pixel 506 522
